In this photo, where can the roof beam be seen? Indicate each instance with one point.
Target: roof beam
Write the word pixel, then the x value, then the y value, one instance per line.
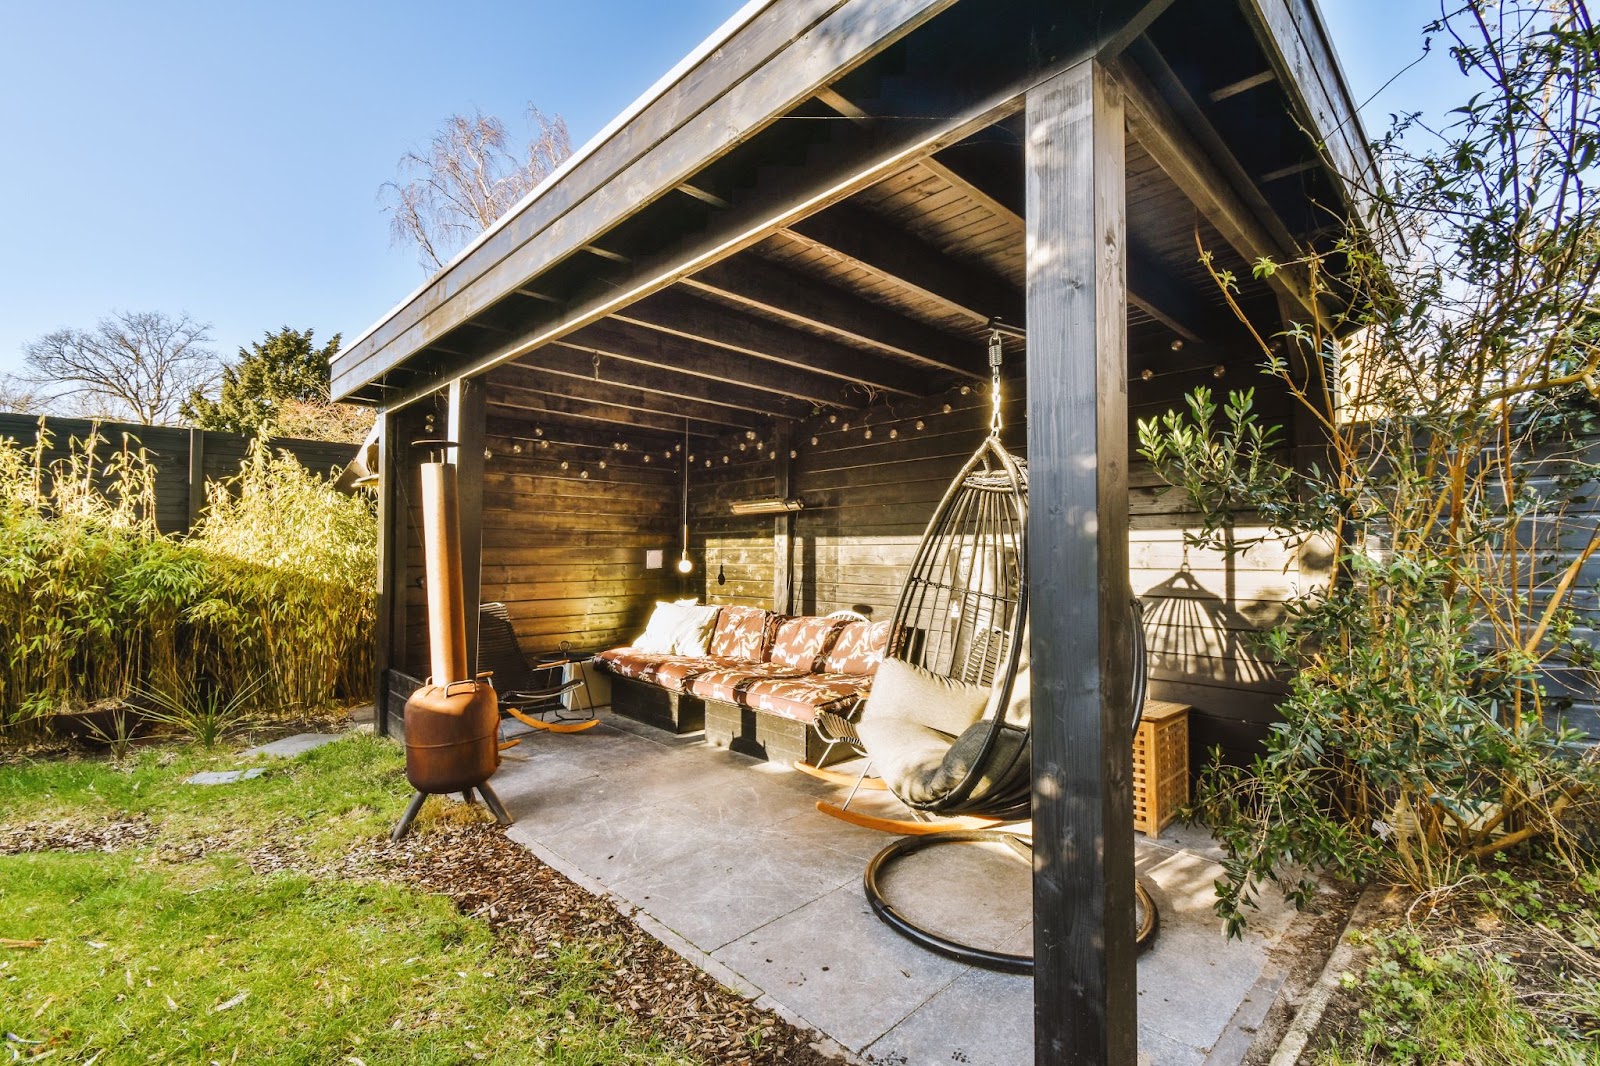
pixel 612 405
pixel 1150 288
pixel 770 289
pixel 869 242
pixel 1217 186
pixel 700 320
pixel 1243 85
pixel 568 359
pixel 664 351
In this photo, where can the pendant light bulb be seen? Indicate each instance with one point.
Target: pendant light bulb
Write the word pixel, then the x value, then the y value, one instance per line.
pixel 685 565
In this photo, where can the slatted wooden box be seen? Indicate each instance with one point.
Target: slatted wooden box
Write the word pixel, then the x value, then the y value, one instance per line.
pixel 1160 765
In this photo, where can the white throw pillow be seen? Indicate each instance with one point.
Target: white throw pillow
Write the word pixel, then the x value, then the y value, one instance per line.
pixel 694 632
pixel 677 629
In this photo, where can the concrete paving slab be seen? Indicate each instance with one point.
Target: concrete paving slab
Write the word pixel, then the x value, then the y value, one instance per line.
pixel 979 1019
pixel 224 777
pixel 836 965
pixel 289 747
pixel 727 859
pixel 715 895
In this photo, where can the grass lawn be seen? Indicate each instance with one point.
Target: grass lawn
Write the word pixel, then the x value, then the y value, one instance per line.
pixel 171 947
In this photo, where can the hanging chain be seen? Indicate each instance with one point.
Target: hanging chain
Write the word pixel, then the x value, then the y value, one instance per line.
pixel 996 353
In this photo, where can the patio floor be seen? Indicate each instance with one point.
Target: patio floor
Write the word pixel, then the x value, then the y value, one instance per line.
pixel 726 860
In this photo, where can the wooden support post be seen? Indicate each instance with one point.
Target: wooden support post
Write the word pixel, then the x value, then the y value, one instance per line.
pixel 783 524
pixel 393 525
pixel 197 475
pixel 1084 981
pixel 468 427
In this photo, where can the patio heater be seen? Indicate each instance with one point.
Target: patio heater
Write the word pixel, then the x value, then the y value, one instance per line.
pixel 452 722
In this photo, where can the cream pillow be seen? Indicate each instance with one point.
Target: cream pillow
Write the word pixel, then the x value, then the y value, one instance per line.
pixel 677 629
pixel 908 693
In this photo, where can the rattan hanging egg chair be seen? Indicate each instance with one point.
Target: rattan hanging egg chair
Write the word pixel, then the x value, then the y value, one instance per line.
pixel 953 741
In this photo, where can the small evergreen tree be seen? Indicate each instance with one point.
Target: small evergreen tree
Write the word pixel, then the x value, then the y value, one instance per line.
pixel 283 368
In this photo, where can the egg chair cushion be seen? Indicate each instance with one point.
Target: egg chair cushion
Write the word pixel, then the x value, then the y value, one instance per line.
pixel 910 721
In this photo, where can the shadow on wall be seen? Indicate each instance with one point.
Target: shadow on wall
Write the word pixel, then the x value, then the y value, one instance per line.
pixel 1194 632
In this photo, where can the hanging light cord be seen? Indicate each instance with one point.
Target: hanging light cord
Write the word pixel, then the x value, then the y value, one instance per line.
pixel 996 354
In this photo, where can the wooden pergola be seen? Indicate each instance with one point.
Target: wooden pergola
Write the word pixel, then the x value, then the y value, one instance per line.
pixel 814 219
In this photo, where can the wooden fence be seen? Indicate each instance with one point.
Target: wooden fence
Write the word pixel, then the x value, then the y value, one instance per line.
pixel 184 459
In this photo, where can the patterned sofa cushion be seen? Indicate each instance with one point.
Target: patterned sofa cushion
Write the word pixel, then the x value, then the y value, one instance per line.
pixel 802 642
pixel 629 662
pixel 728 683
pixel 744 633
pixel 858 649
pixel 679 670
pixel 800 698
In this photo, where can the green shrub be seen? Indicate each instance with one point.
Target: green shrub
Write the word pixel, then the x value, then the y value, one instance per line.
pixel 1451 360
pixel 273 592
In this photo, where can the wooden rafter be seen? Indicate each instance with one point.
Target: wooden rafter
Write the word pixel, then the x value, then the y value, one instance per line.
pixel 568 359
pixel 1150 287
pixel 611 407
pixel 785 294
pixel 700 320
pixel 678 355
pixel 862 239
pixel 1215 183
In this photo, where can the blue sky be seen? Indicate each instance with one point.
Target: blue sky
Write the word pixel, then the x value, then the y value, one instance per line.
pixel 225 159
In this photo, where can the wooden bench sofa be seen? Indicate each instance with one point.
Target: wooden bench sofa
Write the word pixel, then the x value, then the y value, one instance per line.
pixel 760 685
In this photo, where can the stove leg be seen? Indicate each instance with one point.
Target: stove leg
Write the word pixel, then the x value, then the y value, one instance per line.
pixel 493 803
pixel 406 819
pixel 466 797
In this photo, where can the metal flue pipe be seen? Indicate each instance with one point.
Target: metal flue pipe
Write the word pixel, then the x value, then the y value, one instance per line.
pixel 452 722
pixel 441 539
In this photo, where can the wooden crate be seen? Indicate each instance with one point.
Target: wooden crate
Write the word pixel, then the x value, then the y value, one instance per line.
pixel 1160 765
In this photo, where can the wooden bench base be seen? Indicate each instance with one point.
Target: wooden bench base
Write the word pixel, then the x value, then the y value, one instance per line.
pixel 676 712
pixel 765 736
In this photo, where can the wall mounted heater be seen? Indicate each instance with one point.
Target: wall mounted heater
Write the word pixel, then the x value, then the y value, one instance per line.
pixel 769 505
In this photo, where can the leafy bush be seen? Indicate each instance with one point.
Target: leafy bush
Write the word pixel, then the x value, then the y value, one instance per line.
pixel 274 593
pixel 1422 732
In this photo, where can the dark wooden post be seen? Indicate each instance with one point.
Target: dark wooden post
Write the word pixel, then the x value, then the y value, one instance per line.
pixel 783 524
pixel 392 549
pixel 197 475
pixel 1084 980
pixel 469 427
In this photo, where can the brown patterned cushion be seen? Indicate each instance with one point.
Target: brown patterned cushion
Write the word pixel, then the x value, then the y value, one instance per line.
pixel 858 649
pixel 627 662
pixel 677 671
pixel 800 698
pixel 743 633
pixel 802 642
pixel 728 683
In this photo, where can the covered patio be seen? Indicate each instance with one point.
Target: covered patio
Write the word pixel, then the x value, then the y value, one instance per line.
pixel 772 279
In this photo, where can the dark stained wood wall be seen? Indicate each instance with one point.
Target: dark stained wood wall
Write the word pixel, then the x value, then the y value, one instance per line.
pixel 565 539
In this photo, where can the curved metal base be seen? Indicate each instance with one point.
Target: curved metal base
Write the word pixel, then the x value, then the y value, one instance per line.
pixel 1147 917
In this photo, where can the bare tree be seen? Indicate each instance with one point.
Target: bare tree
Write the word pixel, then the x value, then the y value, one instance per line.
pixel 17 397
pixel 137 365
pixel 466 178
